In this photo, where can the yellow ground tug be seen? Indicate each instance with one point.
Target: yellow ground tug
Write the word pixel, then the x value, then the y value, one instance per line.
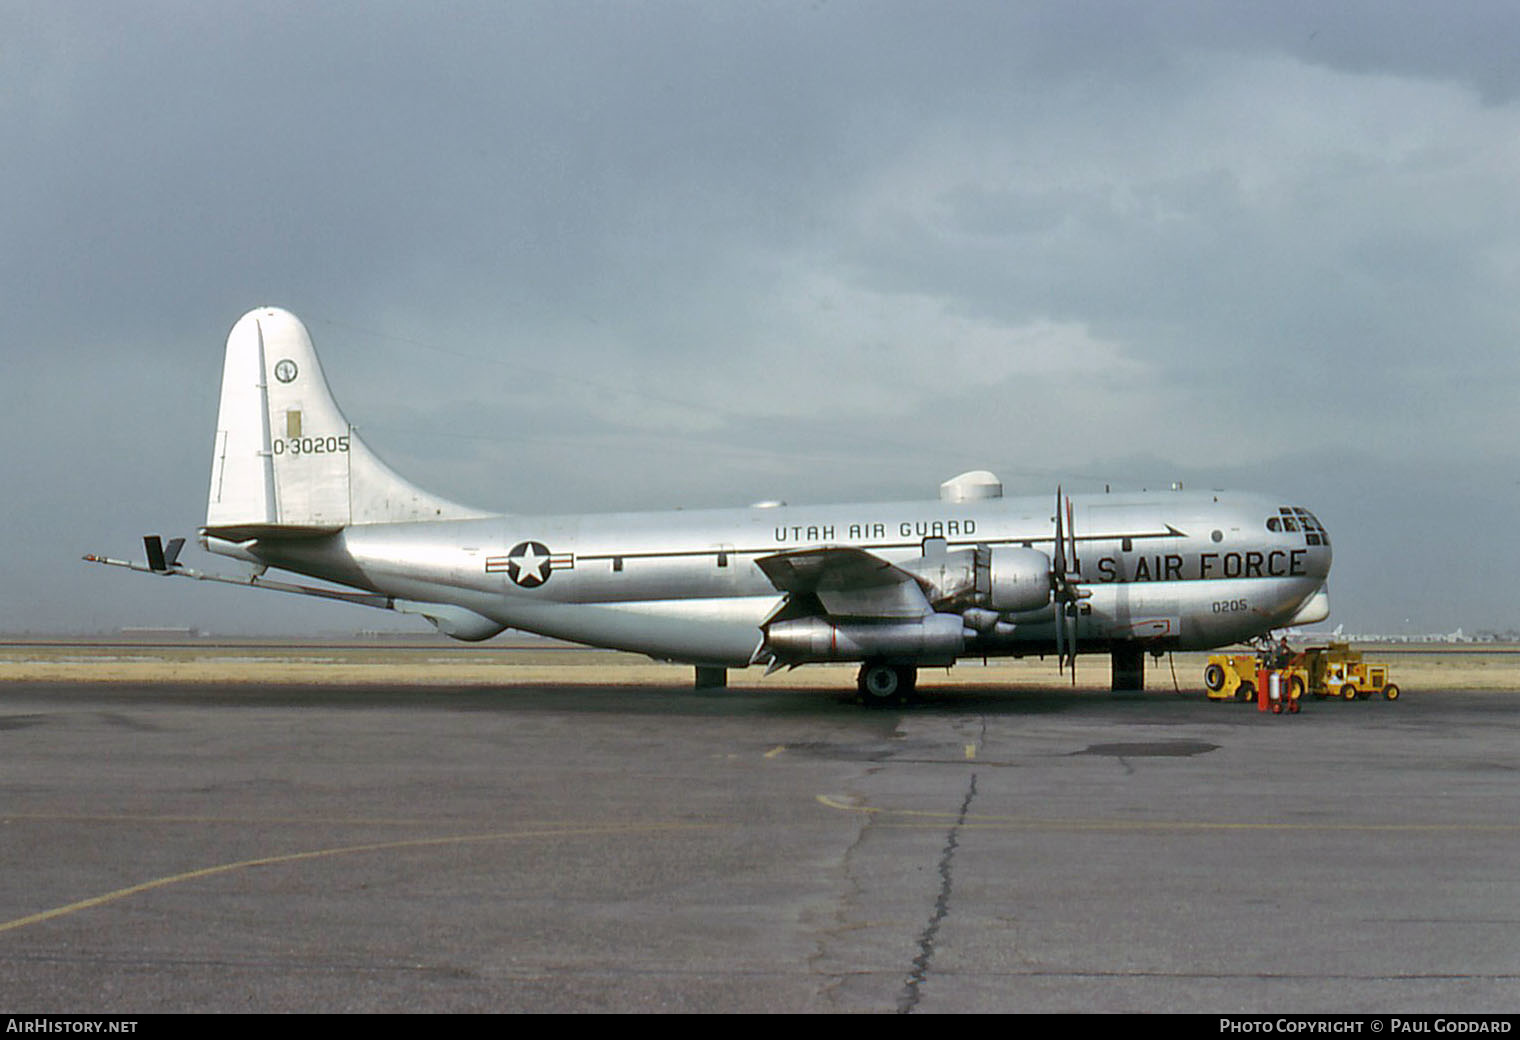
pixel 1230 677
pixel 1241 677
pixel 1339 671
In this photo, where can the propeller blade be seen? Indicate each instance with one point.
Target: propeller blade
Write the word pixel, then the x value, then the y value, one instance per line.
pixel 1058 585
pixel 1060 553
pixel 1076 567
pixel 1060 619
pixel 1071 532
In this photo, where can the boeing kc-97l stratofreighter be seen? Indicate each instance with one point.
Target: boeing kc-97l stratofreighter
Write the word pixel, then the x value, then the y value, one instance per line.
pixel 895 586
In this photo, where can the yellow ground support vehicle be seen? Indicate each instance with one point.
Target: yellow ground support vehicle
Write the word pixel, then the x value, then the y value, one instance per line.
pixel 1335 670
pixel 1233 677
pixel 1339 671
pixel 1230 677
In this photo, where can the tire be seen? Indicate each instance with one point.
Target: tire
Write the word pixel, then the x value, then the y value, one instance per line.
pixel 1213 678
pixel 1349 691
pixel 1296 689
pixel 1390 692
pixel 1246 692
pixel 881 684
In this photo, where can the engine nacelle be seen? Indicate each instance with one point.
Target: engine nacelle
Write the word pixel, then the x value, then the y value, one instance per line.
pixel 1005 579
pixel 817 639
pixel 1018 579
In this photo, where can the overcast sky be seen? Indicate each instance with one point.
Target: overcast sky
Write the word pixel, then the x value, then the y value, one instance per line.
pixel 564 257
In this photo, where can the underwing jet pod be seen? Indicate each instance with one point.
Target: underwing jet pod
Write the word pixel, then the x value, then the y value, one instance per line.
pixel 895 586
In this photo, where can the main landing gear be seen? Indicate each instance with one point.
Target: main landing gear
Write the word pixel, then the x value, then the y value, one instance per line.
pixel 1128 669
pixel 882 683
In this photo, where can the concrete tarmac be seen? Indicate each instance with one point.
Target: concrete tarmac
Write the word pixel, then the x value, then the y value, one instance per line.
pixel 568 847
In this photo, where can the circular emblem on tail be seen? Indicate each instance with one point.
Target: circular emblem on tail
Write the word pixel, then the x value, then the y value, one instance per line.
pixel 528 564
pixel 285 370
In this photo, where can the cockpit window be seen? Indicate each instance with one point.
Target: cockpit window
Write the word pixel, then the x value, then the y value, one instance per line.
pixel 1296 519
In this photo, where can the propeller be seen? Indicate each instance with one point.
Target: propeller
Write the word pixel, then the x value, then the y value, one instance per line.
pixel 1064 588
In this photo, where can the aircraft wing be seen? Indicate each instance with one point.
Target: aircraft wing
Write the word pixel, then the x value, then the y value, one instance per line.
pixel 846 582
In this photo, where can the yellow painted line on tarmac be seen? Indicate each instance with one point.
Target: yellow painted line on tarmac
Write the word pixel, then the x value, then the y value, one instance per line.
pixel 937 817
pixel 346 850
pixel 773 752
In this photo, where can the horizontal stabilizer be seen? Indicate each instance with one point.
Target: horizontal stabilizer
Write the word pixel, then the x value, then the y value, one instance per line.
pixel 247 532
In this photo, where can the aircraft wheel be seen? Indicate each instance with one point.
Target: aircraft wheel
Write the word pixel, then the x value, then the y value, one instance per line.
pixel 1213 677
pixel 882 684
pixel 1349 691
pixel 1246 692
pixel 1391 692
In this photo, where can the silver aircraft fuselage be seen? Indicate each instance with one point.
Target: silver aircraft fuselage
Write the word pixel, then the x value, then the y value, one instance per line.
pixel 1166 570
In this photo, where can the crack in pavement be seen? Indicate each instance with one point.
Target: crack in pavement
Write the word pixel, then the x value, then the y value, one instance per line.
pixel 909 998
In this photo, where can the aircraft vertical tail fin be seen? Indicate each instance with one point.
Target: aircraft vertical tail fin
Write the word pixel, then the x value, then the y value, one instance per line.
pixel 285 456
